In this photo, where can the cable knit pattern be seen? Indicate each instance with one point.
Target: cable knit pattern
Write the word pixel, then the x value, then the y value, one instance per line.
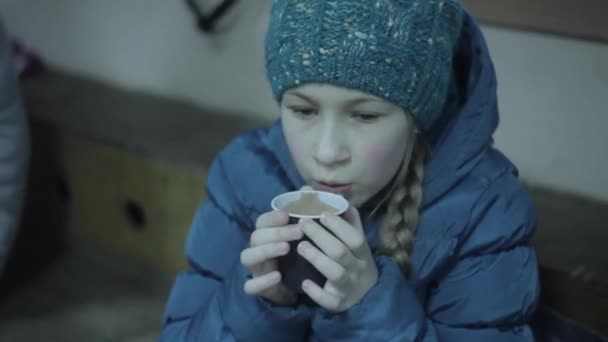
pixel 397 50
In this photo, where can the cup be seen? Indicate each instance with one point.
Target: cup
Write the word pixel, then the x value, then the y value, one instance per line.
pixel 293 267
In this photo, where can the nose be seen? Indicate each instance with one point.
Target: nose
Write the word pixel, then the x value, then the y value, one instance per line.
pixel 331 149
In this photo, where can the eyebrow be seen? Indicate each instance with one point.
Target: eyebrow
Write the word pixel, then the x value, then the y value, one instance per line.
pixel 349 103
pixel 303 97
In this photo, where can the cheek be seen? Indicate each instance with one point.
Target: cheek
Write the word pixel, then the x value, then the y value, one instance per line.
pixel 380 160
pixel 297 150
pixel 296 142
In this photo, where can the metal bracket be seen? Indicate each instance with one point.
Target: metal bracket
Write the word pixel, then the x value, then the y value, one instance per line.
pixel 206 22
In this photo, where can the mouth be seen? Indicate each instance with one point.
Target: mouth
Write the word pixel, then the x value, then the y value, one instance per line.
pixel 341 188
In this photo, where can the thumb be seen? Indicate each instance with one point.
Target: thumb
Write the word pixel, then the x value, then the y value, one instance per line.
pixel 352 216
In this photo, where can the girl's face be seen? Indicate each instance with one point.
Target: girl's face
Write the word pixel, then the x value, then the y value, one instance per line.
pixel 343 140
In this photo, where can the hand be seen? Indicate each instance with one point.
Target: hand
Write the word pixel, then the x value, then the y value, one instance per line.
pixel 346 261
pixel 269 241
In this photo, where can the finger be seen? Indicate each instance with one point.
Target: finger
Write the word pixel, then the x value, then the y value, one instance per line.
pixel 333 271
pixel 353 217
pixel 328 243
pixel 257 285
pixel 269 235
pixel 272 219
pixel 352 237
pixel 325 299
pixel 255 255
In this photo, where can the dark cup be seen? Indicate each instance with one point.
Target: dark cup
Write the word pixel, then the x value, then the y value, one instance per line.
pixel 293 267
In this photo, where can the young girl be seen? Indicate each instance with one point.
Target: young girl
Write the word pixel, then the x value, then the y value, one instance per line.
pixel 391 103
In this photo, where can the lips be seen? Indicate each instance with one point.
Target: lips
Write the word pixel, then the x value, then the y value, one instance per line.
pixel 333 187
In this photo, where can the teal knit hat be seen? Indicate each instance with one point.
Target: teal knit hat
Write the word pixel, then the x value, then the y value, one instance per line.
pixel 399 50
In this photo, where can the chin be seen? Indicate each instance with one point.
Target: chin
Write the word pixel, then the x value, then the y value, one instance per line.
pixel 355 201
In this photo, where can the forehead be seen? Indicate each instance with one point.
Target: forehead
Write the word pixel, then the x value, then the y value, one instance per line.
pixel 328 93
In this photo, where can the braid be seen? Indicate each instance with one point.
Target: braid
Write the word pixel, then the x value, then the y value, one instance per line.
pixel 397 232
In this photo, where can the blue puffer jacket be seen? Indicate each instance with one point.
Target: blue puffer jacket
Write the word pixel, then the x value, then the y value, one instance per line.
pixel 476 276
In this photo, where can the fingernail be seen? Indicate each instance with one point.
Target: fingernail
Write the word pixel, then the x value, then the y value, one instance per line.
pixel 325 217
pixel 302 248
pixel 305 285
pixel 296 233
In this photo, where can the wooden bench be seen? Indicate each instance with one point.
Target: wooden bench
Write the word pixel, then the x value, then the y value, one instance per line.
pixel 126 169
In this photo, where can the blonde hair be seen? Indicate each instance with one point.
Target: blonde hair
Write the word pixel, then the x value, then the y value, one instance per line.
pixel 401 218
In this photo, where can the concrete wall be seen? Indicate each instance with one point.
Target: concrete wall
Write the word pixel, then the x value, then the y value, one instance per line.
pixel 553 91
